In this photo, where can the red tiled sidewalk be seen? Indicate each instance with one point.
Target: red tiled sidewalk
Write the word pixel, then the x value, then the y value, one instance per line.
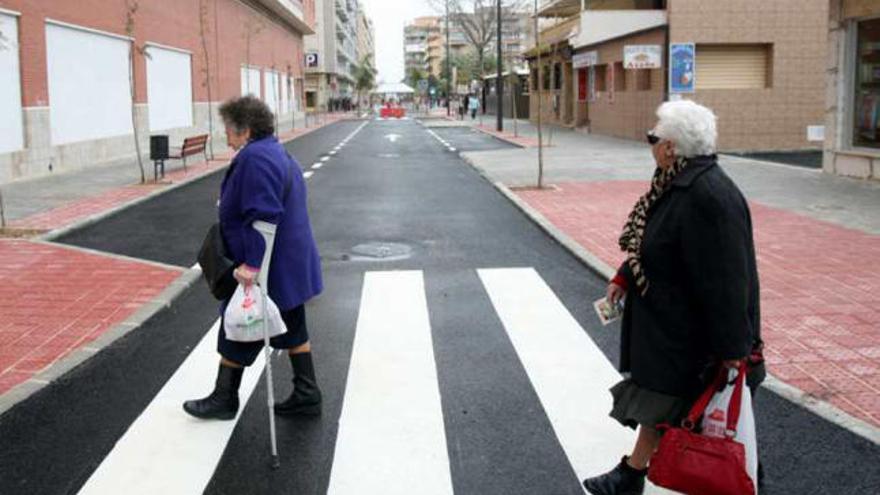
pixel 55 299
pixel 820 288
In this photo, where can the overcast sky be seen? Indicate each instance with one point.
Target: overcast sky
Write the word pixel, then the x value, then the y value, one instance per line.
pixel 389 17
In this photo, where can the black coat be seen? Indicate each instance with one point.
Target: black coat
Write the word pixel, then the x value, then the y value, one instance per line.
pixel 702 303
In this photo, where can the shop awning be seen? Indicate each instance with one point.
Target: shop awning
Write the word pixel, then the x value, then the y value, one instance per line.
pixel 599 26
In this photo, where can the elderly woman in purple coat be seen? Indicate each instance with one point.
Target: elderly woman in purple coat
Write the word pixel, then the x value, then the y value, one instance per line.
pixel 265 183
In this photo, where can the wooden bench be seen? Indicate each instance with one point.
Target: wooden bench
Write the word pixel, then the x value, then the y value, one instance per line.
pixel 191 146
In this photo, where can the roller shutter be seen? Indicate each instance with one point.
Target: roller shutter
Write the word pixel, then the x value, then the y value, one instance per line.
pixel 733 66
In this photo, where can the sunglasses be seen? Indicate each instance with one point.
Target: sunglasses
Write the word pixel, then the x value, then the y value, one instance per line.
pixel 652 138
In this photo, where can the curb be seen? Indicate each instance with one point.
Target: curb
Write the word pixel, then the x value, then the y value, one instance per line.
pixel 501 138
pixel 798 397
pixel 61 367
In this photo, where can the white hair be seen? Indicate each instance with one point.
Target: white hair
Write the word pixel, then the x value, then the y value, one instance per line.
pixel 690 126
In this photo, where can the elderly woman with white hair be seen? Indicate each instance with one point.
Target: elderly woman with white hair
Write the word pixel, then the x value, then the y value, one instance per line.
pixel 690 284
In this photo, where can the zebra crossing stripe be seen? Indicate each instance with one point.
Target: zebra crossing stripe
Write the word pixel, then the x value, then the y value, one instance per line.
pixel 391 436
pixel 165 450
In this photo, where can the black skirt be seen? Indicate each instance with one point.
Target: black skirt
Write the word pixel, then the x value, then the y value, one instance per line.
pixel 634 406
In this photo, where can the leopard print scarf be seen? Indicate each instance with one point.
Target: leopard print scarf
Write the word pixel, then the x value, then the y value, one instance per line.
pixel 634 229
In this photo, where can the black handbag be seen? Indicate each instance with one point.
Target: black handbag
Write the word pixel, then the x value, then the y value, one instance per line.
pixel 216 265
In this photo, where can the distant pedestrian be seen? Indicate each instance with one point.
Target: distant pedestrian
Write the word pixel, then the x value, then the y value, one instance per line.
pixel 473 106
pixel 264 183
pixel 691 288
pixel 462 107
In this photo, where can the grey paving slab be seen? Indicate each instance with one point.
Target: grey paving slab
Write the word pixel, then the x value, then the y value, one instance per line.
pixel 577 156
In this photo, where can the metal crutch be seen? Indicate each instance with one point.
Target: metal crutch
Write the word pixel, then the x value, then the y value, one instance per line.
pixel 267 230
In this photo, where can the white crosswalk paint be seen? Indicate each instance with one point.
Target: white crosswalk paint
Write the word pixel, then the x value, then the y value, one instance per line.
pixel 568 371
pixel 391 436
pixel 166 451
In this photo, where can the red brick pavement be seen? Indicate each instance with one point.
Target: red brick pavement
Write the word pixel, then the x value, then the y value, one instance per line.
pixel 820 288
pixel 55 299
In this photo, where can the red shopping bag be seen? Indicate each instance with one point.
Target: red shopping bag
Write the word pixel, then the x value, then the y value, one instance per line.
pixel 696 464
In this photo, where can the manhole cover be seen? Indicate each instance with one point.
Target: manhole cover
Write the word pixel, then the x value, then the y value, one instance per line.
pixel 381 251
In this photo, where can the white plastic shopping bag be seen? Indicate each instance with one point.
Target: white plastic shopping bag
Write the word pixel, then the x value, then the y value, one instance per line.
pixel 243 318
pixel 715 423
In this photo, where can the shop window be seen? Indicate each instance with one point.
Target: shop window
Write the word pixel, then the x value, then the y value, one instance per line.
pixel 601 73
pixel 734 66
pixel 557 76
pixel 619 77
pixel 643 79
pixel 867 91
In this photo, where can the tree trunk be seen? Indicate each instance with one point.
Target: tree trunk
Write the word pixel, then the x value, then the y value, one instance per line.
pixel 2 211
pixel 134 124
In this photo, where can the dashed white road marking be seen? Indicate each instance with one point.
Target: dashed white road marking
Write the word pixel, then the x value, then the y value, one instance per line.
pixel 308 174
pixel 325 158
pixel 318 165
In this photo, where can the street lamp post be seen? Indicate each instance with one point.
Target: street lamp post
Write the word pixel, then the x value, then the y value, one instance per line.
pixel 499 83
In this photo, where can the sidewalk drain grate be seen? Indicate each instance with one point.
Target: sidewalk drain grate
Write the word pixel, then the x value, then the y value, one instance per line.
pixel 381 251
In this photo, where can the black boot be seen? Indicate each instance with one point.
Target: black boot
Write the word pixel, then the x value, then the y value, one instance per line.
pixel 305 400
pixel 622 480
pixel 223 401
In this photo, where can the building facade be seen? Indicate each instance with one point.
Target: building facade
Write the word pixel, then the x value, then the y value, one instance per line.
pixel 423 46
pixel 366 36
pixel 759 65
pixel 331 53
pixel 852 98
pixel 65 93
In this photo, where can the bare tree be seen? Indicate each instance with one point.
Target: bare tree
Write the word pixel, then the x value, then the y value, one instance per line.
pixel 477 21
pixel 252 28
pixel 206 70
pixel 131 8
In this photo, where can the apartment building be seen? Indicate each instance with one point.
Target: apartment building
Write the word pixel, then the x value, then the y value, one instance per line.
pixel 331 53
pixel 65 95
pixel 366 39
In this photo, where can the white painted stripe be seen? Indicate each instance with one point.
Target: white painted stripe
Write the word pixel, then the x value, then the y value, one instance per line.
pixel 332 152
pixel 451 149
pixel 308 174
pixel 568 371
pixel 165 450
pixel 325 158
pixel 391 436
pixel 318 165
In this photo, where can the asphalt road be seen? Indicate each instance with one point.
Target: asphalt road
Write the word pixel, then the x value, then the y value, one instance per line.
pixel 409 191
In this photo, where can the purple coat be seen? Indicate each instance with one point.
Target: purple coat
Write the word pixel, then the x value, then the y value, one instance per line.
pixel 253 189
